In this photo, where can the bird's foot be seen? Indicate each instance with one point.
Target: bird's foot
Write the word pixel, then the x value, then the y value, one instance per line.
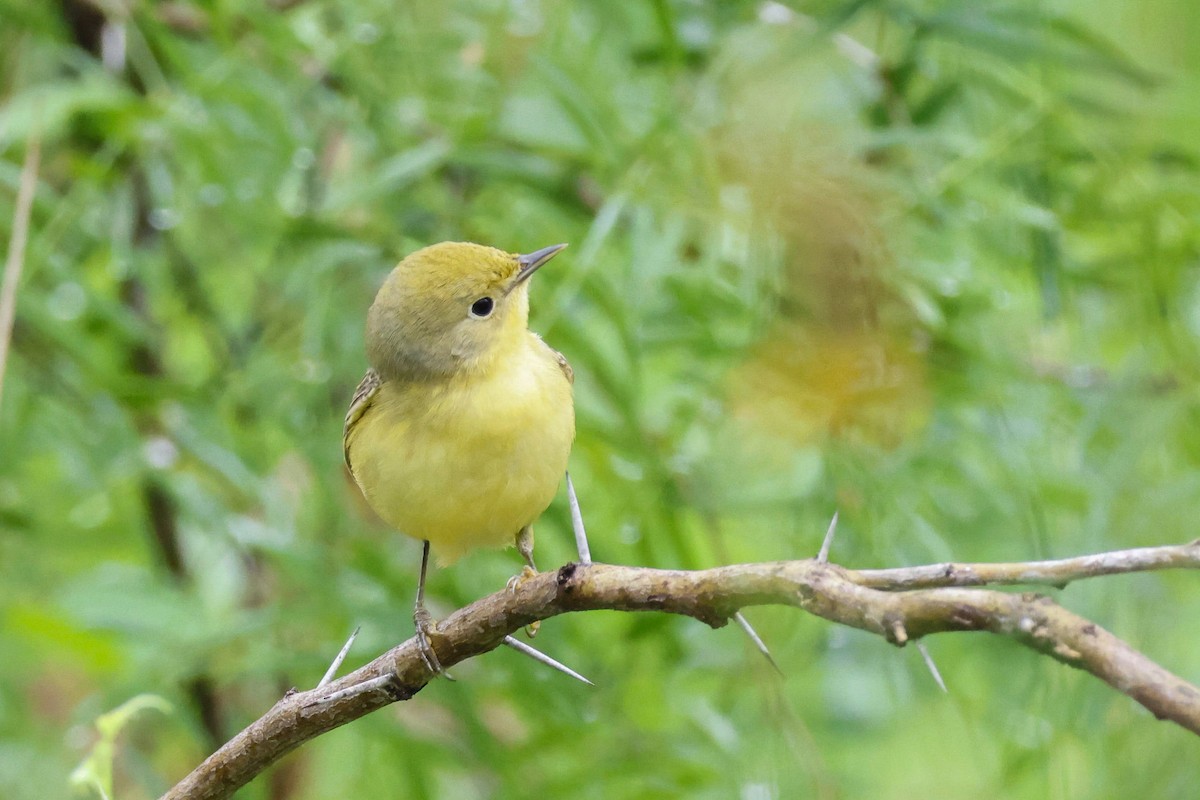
pixel 425 625
pixel 515 583
pixel 517 580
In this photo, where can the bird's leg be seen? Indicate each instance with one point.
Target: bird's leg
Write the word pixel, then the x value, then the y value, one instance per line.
pixel 525 548
pixel 424 622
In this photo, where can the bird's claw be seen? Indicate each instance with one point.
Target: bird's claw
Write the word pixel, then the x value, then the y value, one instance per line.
pixel 424 624
pixel 513 584
pixel 517 580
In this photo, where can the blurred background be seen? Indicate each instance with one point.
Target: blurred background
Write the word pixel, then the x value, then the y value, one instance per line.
pixel 931 264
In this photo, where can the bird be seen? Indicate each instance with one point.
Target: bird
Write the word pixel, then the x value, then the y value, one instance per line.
pixel 460 431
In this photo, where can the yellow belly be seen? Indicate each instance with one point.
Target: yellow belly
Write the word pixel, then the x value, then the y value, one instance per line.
pixel 467 463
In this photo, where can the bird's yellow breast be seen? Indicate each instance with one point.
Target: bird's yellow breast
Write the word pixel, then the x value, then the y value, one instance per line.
pixel 467 462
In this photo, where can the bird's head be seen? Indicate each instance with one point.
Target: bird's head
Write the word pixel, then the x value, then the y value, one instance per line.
pixel 450 307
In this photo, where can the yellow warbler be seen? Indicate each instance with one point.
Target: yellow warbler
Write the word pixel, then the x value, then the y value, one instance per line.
pixel 460 431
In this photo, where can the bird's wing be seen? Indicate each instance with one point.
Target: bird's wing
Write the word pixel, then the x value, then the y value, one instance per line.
pixel 358 406
pixel 563 364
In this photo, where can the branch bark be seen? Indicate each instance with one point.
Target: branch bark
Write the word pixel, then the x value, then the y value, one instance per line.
pixel 883 602
pixel 15 261
pixel 1056 573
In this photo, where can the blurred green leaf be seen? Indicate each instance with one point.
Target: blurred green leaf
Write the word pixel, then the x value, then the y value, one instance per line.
pixel 96 771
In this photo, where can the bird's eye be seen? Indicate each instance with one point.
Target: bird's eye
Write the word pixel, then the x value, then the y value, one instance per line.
pixel 482 307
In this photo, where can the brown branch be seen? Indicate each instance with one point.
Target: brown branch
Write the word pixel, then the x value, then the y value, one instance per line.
pixel 1058 573
pixel 16 248
pixel 713 596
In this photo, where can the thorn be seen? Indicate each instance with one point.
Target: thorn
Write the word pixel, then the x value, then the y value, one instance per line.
pixel 353 691
pixel 937 676
pixel 581 542
pixel 541 657
pixel 823 553
pixel 745 625
pixel 341 656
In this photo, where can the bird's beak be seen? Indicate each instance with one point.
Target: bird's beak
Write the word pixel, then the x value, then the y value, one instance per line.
pixel 530 263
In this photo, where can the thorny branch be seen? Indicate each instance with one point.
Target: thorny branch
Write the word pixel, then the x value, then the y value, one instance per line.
pixel 901 605
pixel 1056 573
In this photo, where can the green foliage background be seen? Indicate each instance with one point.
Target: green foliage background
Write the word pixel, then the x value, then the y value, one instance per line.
pixel 932 264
